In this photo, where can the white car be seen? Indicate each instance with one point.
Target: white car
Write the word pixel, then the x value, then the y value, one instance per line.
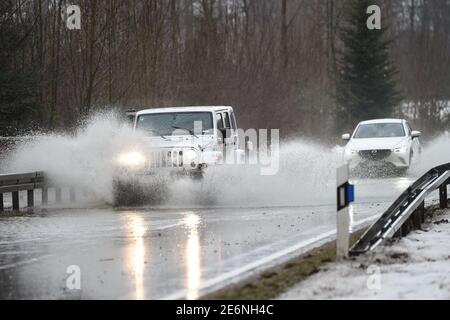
pixel 382 142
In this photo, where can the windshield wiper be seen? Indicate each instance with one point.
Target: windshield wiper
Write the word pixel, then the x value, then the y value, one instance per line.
pixel 187 129
pixel 158 133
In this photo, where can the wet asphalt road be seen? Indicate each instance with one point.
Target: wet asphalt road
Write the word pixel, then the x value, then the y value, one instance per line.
pixel 164 253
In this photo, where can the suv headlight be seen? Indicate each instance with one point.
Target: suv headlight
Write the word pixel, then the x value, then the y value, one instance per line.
pixel 131 159
pixel 190 155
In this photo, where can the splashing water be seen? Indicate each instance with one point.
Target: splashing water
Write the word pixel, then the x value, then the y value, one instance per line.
pixel 84 160
pixel 434 153
pixel 306 175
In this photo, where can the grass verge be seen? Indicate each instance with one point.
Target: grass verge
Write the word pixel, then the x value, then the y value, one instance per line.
pixel 270 283
pixel 21 213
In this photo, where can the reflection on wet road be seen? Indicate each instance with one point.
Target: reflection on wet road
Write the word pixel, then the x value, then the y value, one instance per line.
pixel 138 255
pixel 150 253
pixel 193 269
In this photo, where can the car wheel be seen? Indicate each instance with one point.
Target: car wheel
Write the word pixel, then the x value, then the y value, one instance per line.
pixel 133 192
pixel 402 171
pixel 197 175
pixel 126 192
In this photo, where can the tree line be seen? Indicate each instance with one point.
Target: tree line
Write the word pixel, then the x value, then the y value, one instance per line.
pixel 278 62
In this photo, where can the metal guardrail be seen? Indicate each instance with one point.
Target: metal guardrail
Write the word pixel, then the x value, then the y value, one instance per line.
pixel 21 181
pixel 14 183
pixel 407 212
pixel 18 182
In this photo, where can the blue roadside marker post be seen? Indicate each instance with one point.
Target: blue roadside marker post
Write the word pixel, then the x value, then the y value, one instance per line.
pixel 345 195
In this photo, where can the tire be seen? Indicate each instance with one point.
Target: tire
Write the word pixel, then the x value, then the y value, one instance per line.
pixel 402 171
pixel 197 175
pixel 134 192
pixel 126 192
pixel 208 191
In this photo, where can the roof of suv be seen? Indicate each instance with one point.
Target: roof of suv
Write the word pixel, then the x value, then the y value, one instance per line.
pixel 186 109
pixel 382 121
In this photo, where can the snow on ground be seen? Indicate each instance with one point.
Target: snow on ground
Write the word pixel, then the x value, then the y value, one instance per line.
pixel 415 267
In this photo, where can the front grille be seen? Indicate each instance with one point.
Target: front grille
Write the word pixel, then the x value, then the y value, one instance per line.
pixel 375 155
pixel 172 158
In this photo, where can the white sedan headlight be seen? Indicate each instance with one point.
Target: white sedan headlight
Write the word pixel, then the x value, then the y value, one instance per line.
pixel 350 155
pixel 403 149
pixel 131 159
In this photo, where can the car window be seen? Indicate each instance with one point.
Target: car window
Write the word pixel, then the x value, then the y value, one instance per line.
pixel 408 129
pixel 156 124
pixel 233 121
pixel 227 120
pixel 219 121
pixel 380 130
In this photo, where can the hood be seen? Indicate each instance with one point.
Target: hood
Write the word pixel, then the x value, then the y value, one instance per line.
pixel 377 143
pixel 179 141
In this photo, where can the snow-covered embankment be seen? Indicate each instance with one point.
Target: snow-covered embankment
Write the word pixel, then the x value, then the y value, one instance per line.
pixel 415 267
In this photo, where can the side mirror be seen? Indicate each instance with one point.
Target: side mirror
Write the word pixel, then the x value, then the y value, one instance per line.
pixel 416 134
pixel 346 137
pixel 131 115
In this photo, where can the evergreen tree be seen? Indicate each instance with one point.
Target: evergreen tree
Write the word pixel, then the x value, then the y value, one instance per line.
pixel 366 86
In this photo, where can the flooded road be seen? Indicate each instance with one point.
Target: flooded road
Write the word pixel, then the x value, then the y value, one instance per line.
pixel 164 253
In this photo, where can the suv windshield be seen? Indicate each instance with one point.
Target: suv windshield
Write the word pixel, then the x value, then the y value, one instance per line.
pixel 157 124
pixel 380 130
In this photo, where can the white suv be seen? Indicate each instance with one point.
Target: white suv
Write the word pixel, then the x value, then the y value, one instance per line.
pixel 179 141
pixel 182 139
pixel 382 142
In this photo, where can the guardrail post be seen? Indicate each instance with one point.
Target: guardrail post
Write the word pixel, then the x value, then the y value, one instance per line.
pixel 44 195
pixel 406 227
pixel 344 197
pixel 417 218
pixel 421 209
pixel 443 200
pixel 15 200
pixel 30 198
pixel 58 195
pixel 1 202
